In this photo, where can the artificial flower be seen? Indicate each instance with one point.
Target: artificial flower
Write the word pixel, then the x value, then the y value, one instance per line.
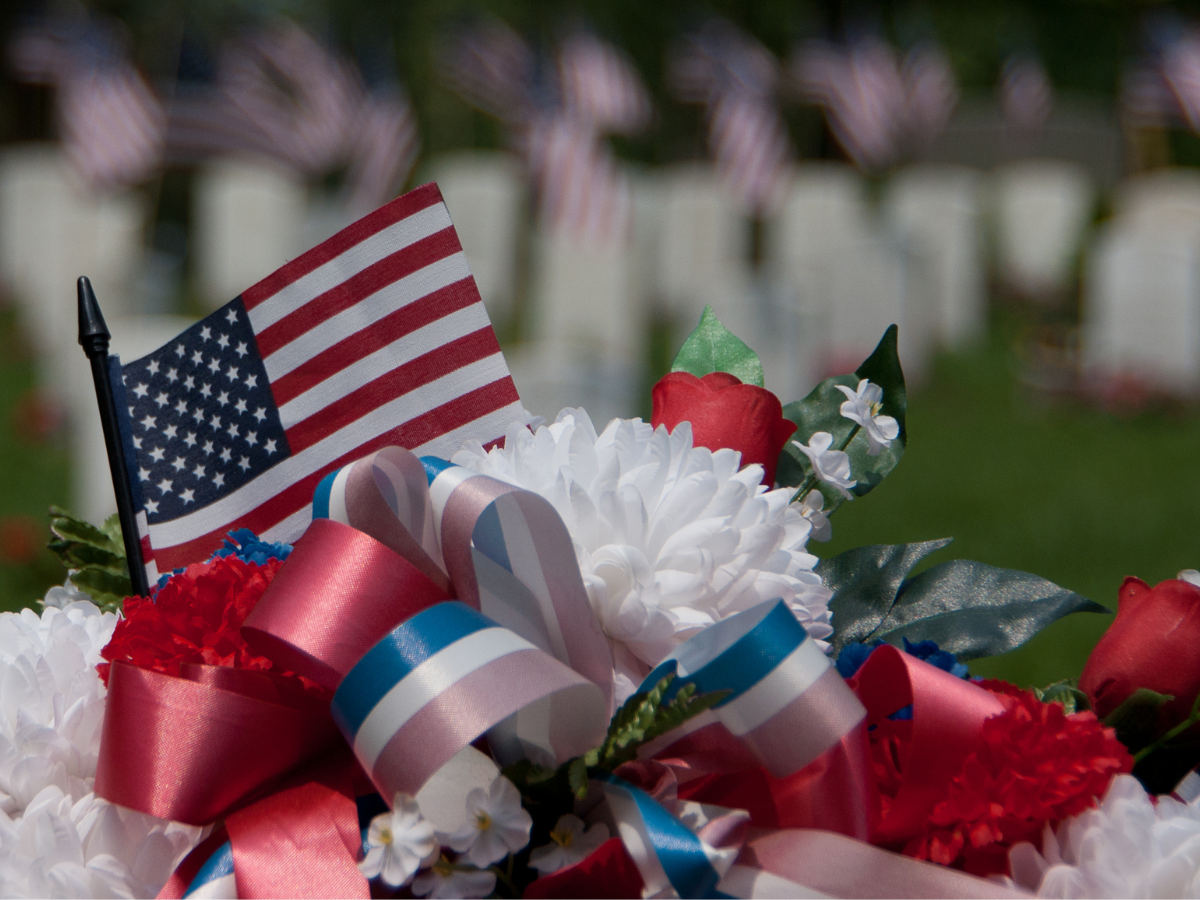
pixel 863 408
pixel 1154 642
pixel 195 618
pixel 496 825
pixel 1037 766
pixel 249 547
pixel 57 839
pixel 669 537
pixel 724 412
pixel 399 842
pixel 812 507
pixel 453 880
pixel 831 466
pixel 1133 845
pixel 569 844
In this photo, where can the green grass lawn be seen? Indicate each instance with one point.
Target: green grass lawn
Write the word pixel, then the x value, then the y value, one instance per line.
pixel 1077 495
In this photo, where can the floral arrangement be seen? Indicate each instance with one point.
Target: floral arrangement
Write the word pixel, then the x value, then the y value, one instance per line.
pixel 596 663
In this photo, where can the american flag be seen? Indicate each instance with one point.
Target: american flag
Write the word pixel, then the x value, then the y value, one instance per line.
pixel 110 121
pixel 737 79
pixel 557 123
pixel 1180 64
pixel 1026 95
pixel 376 337
pixel 864 97
pixel 280 93
pixel 931 91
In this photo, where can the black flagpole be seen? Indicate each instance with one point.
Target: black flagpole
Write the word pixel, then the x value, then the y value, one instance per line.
pixel 93 337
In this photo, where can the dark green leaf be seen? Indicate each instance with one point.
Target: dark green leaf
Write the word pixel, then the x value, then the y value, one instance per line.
pixel 1136 720
pixel 714 348
pixel 106 589
pixel 77 531
pixel 821 411
pixel 577 777
pixel 974 610
pixel 865 582
pixel 1072 698
pixel 82 555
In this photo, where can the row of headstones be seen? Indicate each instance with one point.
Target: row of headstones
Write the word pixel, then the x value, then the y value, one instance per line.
pixel 835 269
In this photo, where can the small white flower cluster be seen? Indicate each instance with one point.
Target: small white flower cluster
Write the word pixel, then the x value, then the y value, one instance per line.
pixel 401 842
pixel 57 839
pixel 670 538
pixel 862 407
pixel 1131 846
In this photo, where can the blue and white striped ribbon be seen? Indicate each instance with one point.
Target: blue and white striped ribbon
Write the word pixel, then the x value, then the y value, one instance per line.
pixel 787 703
pixel 444 677
pixel 215 879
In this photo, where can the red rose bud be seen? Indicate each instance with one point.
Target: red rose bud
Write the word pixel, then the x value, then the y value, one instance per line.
pixel 724 413
pixel 1154 642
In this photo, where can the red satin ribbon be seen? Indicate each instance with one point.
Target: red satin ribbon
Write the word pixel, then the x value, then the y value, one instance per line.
pixel 947 727
pixel 241 745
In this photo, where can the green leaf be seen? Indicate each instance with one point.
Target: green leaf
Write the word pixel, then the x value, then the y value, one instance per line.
pixel 714 348
pixel 107 590
pixel 865 582
pixel 821 411
pixel 76 531
pixel 1072 699
pixel 1136 720
pixel 973 610
pixel 577 777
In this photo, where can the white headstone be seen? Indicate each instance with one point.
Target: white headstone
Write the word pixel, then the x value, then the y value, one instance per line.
pixel 52 230
pixel 1042 211
pixel 935 211
pixel 1141 314
pixel 485 193
pixel 92 495
pixel 248 220
pixel 1166 202
pixel 703 252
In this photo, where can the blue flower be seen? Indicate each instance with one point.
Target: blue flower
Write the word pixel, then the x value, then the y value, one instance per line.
pixel 852 657
pixel 935 656
pixel 248 547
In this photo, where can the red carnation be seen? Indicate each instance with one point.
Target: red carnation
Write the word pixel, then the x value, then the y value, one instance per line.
pixel 724 412
pixel 196 617
pixel 1037 765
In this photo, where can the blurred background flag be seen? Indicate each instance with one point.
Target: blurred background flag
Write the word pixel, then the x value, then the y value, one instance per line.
pixel 557 116
pixel 376 337
pixel 110 121
pixel 860 87
pixel 737 80
pixel 1026 94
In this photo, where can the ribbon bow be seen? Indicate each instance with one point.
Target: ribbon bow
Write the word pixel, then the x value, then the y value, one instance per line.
pixel 436 605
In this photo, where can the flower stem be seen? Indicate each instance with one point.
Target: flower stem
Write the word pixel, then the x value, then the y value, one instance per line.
pixel 1179 729
pixel 811 481
pixel 505 878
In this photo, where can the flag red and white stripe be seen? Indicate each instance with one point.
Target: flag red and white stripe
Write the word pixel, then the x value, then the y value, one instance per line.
pixel 376 337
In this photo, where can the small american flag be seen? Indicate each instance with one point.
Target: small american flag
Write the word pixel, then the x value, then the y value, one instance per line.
pixel 737 79
pixel 1026 95
pixel 376 337
pixel 110 121
pixel 557 123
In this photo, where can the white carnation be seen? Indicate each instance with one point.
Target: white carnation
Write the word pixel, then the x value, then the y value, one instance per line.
pixel 57 839
pixel 1128 847
pixel 669 537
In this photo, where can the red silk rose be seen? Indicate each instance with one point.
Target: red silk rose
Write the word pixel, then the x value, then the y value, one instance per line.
pixel 1154 642
pixel 724 412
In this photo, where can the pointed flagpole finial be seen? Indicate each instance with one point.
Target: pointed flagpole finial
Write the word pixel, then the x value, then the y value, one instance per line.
pixel 93 332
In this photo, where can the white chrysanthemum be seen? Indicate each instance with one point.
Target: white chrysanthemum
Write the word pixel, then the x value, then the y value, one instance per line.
pixel 1128 847
pixel 57 839
pixel 669 537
